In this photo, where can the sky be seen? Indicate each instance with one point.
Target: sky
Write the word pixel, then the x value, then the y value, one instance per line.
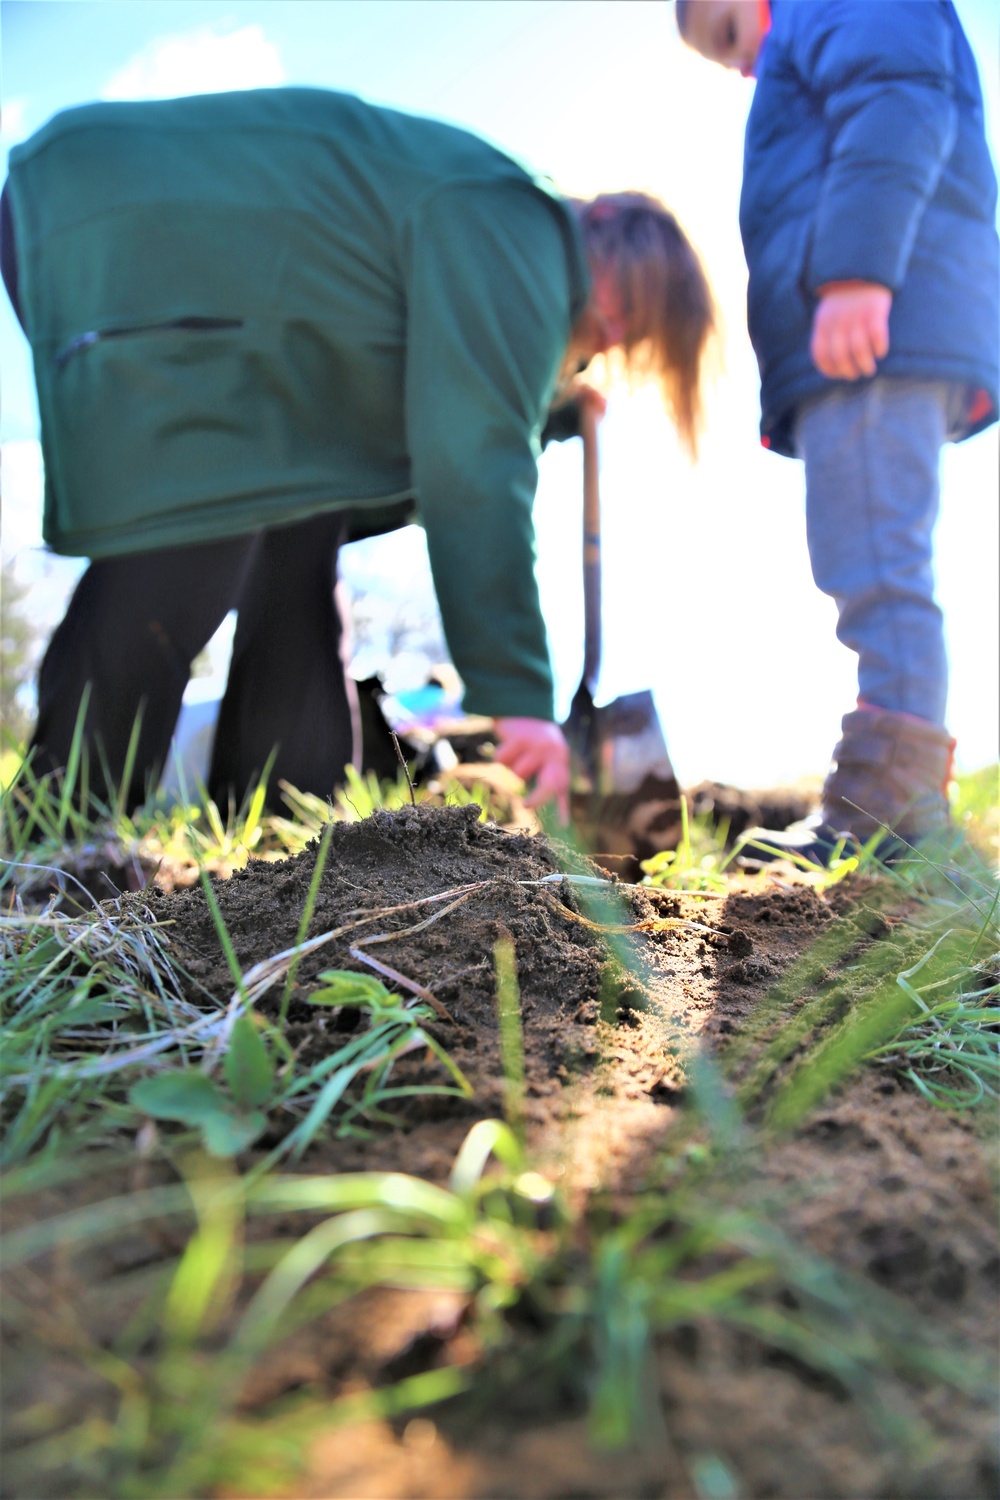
pixel 708 596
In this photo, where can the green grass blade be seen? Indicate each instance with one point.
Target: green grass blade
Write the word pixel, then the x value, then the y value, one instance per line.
pixel 223 935
pixel 72 764
pixel 306 918
pixel 511 1040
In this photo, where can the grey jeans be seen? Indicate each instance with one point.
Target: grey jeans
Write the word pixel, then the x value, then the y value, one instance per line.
pixel 872 455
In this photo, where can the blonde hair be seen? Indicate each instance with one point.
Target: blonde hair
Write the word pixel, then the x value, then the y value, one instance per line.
pixel 666 298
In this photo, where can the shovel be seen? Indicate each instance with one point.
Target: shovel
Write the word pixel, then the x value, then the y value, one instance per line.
pixel 624 797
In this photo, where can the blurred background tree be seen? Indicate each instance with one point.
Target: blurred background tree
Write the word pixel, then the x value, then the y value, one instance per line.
pixel 18 654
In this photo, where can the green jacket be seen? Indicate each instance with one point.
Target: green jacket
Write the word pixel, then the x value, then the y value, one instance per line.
pixel 249 308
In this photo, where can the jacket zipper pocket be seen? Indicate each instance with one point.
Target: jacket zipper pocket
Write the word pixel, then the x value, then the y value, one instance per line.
pixel 195 325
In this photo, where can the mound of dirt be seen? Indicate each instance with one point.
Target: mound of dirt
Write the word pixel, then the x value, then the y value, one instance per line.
pixel 446 887
pixel 877 1180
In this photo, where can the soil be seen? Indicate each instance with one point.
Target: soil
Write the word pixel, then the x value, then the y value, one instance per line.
pixel 877 1180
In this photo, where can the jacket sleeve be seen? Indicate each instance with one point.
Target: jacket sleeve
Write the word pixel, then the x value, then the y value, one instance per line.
pixel 488 319
pixel 883 75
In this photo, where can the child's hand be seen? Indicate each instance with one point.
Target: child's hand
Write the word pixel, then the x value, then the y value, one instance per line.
pixel 851 329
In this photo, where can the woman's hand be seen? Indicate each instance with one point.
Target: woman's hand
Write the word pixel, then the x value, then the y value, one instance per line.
pixel 587 396
pixel 850 329
pixel 536 749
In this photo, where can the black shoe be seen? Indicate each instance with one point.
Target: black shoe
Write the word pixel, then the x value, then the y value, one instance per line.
pixel 810 844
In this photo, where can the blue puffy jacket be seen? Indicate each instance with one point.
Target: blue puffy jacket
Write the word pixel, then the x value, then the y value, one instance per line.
pixel 866 158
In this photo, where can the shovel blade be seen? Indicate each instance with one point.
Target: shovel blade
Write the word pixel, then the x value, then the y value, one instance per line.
pixel 629 744
pixel 615 747
pixel 625 800
pixel 579 732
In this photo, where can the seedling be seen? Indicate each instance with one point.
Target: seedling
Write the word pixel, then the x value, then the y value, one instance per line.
pixel 698 863
pixel 229 1119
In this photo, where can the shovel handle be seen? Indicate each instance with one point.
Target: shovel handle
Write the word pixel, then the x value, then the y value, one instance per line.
pixel 591 546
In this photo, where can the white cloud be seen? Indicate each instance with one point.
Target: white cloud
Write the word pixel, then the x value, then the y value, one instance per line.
pixel 13 120
pixel 207 60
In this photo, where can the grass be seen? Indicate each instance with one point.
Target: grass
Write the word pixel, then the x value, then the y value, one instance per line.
pixel 595 1296
pixel 101 1034
pixel 948 1046
pixel 976 810
pixel 699 862
pixel 935 1022
pixel 98 1027
pixel 47 827
pixel 91 1004
pixel 358 798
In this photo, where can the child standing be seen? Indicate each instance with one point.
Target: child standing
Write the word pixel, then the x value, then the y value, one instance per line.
pixel 868 221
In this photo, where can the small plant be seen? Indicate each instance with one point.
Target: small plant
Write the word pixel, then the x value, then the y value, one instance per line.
pixel 395 1028
pixel 821 875
pixel 698 863
pixel 257 1094
pixel 229 1119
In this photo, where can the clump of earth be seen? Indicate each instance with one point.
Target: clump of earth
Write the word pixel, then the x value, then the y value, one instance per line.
pixel 877 1180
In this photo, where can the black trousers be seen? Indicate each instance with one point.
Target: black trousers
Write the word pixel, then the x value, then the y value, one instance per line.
pixel 135 624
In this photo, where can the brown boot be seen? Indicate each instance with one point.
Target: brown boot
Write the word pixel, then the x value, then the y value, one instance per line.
pixel 889 769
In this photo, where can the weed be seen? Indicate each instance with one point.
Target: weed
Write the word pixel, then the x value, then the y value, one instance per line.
pixel 229 1120
pixel 700 860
